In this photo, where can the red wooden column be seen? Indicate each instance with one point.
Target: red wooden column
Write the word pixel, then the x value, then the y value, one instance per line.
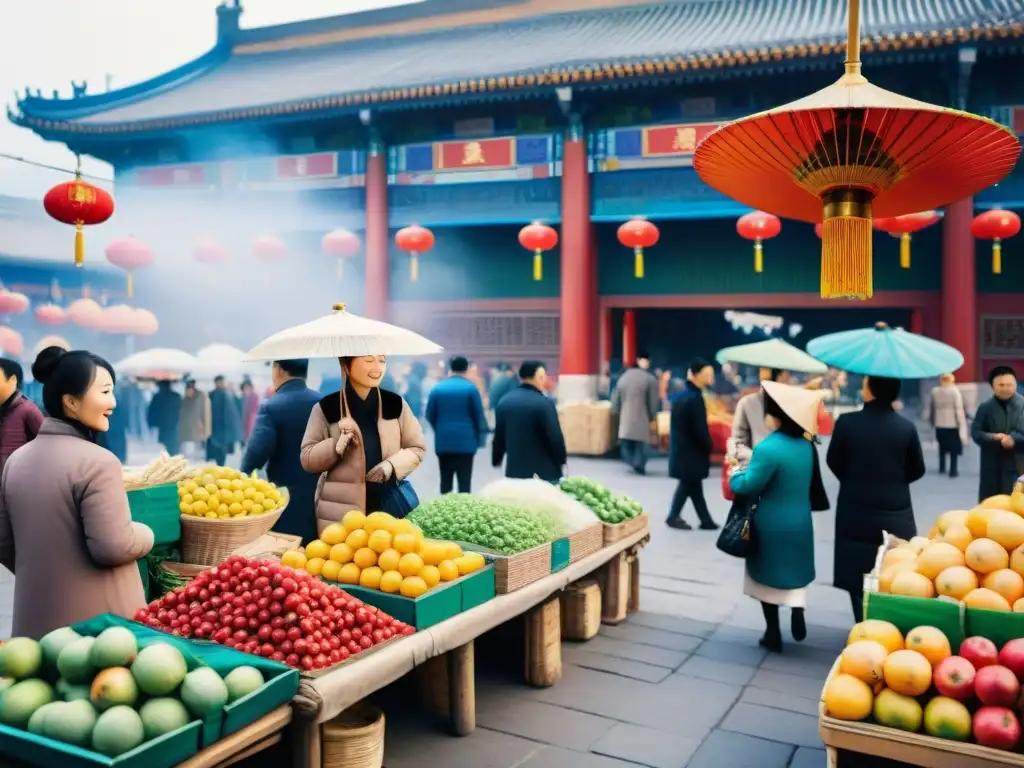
pixel 607 338
pixel 577 379
pixel 959 294
pixel 377 238
pixel 628 338
pixel 916 321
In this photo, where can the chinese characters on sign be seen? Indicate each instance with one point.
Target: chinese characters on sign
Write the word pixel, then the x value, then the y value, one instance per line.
pixel 1002 336
pixel 674 140
pixel 477 154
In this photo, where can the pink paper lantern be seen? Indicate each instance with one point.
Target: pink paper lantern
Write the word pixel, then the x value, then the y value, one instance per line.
pixel 269 248
pixel 85 313
pixel 147 322
pixel 11 342
pixel 50 314
pixel 12 303
pixel 209 251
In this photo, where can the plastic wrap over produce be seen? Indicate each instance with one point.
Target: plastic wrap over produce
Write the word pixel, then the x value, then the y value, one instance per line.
pixel 564 513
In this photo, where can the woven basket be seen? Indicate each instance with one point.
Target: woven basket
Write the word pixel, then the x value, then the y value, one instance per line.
pixel 586 542
pixel 211 541
pixel 354 739
pixel 624 530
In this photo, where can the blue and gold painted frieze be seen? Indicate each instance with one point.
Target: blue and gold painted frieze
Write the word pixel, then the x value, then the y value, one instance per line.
pixel 477 160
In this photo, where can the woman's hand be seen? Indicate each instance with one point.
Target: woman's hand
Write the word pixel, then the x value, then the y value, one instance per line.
pixel 381 473
pixel 348 432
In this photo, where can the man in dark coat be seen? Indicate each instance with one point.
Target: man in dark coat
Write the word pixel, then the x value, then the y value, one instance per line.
pixel 164 415
pixel 998 429
pixel 503 383
pixel 275 442
pixel 20 418
pixel 875 453
pixel 527 429
pixel 225 423
pixel 455 413
pixel 690 447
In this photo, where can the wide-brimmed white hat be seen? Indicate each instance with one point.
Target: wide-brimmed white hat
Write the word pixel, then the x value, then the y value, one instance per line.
pixel 801 405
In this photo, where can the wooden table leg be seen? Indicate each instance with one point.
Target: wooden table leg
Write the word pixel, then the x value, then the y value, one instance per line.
pixel 634 583
pixel 544 643
pixel 306 743
pixel 615 590
pixel 462 689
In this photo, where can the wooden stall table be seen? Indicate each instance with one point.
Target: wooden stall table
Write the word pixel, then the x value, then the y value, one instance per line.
pixel 323 698
pixel 253 739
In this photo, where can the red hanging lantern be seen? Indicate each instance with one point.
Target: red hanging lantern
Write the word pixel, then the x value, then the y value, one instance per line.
pixel 538 238
pixel 638 234
pixel 758 226
pixel 79 204
pixel 269 248
pixel 903 227
pixel 11 342
pixel 817 230
pixel 12 303
pixel 130 254
pixel 85 313
pixel 209 252
pixel 996 225
pixel 414 240
pixel 50 315
pixel 342 244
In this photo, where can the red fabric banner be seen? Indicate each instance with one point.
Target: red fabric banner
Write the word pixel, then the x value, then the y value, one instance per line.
pixel 301 166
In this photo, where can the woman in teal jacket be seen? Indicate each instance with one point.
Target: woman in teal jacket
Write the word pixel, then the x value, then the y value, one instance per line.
pixel 784 475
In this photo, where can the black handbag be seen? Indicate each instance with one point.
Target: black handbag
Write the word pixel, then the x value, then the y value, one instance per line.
pixel 398 499
pixel 737 536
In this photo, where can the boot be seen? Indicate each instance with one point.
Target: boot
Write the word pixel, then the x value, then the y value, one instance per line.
pixel 772 637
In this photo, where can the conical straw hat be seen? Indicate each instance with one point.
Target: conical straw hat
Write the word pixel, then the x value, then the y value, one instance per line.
pixel 801 405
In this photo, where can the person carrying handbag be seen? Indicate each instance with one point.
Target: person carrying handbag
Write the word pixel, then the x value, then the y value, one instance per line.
pixel 780 487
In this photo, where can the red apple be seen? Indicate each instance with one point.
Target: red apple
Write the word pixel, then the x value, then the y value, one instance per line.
pixel 996 727
pixel 954 677
pixel 1012 657
pixel 980 651
pixel 996 686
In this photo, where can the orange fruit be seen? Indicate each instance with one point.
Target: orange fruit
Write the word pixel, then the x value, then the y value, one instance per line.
pixel 294 558
pixel 349 574
pixel 318 548
pixel 341 553
pixel 864 660
pixel 985 556
pixel 365 558
pixel 956 582
pixel 918 543
pixel 977 521
pixel 330 570
pixel 357 539
pixel 413 586
pixel 433 552
pixel 1017 560
pixel 314 565
pixel 898 711
pixel 886 576
pixel 1018 607
pixel 388 560
pixel 897 556
pixel 353 520
pixel 431 575
pixel 448 569
pixel 987 599
pixel 882 632
pixel 410 564
pixel 1006 529
pixel 378 521
pixel 930 642
pixel 1007 583
pixel 937 557
pixel 959 536
pixel 379 540
pixel 1001 501
pixel 469 562
pixel 912 584
pixel 453 550
pixel 848 698
pixel 404 543
pixel 335 533
pixel 391 582
pixel 370 577
pixel 907 672
pixel 947 520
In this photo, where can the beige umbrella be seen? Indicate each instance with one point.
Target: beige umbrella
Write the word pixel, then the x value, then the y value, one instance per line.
pixel 159 363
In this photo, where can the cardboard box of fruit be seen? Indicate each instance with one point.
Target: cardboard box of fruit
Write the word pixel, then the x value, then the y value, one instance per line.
pixel 921 700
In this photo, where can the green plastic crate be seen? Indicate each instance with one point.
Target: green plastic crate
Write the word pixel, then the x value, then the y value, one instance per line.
pixel 907 613
pixel 560 554
pixel 998 626
pixel 157 507
pixel 478 587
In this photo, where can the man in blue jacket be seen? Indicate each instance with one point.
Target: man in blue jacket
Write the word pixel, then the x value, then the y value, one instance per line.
pixel 456 414
pixel 275 443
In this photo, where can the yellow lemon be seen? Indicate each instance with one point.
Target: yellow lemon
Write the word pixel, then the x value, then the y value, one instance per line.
pixel 211 513
pixel 314 565
pixel 212 489
pixel 349 574
pixel 464 564
pixel 199 507
pixel 391 581
pixel 181 490
pixel 413 586
pixel 357 539
pixel 269 504
pixel 404 542
pixel 341 553
pixel 235 509
pixel 379 540
pixel 376 521
pixel 223 511
pixel 187 485
pixel 448 569
pixel 432 552
pixel 407 526
pixel 452 550
pixel 410 564
pixel 431 575
pixel 223 482
pixel 395 526
pixel 370 577
pixel 258 498
pixel 388 559
pixel 365 557
pixel 236 485
pixel 249 492
pixel 330 570
pixel 237 496
pixel 226 495
pixel 185 509
pixel 335 533
pixel 353 519
pixel 207 479
pixel 318 548
pixel 186 498
pixel 469 562
pixel 200 494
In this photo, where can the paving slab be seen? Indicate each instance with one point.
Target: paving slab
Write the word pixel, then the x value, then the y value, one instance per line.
pixel 659 638
pixel 543 723
pixel 555 757
pixel 409 741
pixel 770 723
pixel 806 757
pixel 722 671
pixel 646 746
pixel 777 700
pixel 649 654
pixel 795 685
pixel 683 626
pixel 733 653
pixel 635 670
pixel 733 750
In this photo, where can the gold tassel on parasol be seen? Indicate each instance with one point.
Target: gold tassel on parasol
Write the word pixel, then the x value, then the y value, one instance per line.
pixel 849 152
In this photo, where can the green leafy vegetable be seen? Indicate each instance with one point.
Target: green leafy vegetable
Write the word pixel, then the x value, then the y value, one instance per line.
pixel 609 507
pixel 501 527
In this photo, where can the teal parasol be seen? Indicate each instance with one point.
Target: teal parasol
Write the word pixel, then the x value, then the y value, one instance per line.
pixel 884 351
pixel 772 353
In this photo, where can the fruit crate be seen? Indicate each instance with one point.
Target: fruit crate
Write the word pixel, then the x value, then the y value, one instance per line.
pixel 625 529
pixel 512 572
pixel 280 686
pixel 910 748
pixel 436 605
pixel 157 507
pixel 585 542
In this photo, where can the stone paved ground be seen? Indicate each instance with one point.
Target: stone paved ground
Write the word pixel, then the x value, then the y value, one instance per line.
pixel 681 683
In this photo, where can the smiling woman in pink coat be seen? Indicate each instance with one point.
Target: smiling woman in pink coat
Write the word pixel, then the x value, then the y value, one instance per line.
pixel 65 528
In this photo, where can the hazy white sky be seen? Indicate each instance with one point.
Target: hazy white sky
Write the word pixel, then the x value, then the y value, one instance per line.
pixel 48 43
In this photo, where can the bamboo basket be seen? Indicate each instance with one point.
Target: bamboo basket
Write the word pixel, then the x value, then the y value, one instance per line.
pixel 512 572
pixel 209 541
pixel 269 546
pixel 614 533
pixel 354 739
pixel 586 542
pixel 581 610
pixel 913 748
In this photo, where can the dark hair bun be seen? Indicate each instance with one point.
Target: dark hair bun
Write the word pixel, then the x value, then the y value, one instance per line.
pixel 46 362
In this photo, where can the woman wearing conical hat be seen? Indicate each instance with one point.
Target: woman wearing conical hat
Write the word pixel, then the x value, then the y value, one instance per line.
pixel 784 475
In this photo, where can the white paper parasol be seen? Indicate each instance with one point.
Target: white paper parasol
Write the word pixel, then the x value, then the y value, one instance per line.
pixel 221 360
pixel 341 334
pixel 159 363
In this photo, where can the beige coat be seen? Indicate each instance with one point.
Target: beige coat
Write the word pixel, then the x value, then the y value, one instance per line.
pixel 194 422
pixel 342 485
pixel 946 409
pixel 67 534
pixel 748 427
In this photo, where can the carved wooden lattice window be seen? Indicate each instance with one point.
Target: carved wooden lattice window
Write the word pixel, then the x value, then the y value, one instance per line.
pixel 1002 336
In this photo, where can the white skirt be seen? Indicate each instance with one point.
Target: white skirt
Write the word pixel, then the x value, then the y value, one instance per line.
pixel 790 598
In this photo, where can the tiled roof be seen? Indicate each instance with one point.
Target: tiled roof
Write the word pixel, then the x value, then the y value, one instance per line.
pixel 557 49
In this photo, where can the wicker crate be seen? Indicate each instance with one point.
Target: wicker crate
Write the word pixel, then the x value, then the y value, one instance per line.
pixel 590 429
pixel 581 610
pixel 209 541
pixel 586 542
pixel 514 572
pixel 354 739
pixel 613 533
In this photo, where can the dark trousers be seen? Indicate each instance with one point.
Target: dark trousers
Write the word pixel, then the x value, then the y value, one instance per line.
pixel 953 457
pixel 694 490
pixel 634 453
pixel 455 465
pixel 216 452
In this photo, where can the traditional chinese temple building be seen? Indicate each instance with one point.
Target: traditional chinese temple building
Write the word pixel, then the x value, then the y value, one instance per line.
pixel 476 117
